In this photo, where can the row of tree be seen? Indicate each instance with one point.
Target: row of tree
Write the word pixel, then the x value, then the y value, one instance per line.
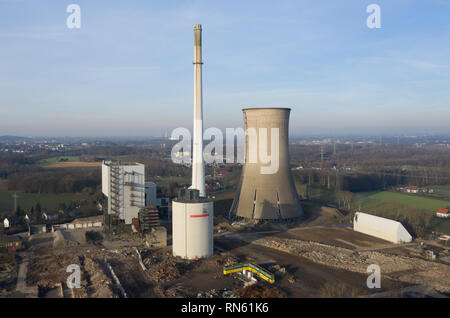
pixel 361 181
pixel 71 180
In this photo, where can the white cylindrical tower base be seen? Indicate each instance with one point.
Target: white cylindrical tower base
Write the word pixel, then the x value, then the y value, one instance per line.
pixel 192 229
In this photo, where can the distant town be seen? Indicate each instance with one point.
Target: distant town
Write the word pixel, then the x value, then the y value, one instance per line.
pixel 15 144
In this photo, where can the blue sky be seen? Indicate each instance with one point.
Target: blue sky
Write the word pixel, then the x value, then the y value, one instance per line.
pixel 128 70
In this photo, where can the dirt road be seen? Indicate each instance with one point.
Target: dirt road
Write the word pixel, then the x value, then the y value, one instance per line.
pixel 21 279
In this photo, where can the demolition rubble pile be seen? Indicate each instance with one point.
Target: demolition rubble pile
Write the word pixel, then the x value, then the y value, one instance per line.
pixel 49 269
pixel 226 260
pixel 407 269
pixel 94 282
pixel 259 291
pixel 8 274
pixel 213 293
pixel 164 267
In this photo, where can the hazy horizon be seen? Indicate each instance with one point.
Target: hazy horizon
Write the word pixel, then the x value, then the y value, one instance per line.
pixel 128 70
pixel 292 136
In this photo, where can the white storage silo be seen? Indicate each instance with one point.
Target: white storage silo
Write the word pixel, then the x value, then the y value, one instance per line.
pixel 192 227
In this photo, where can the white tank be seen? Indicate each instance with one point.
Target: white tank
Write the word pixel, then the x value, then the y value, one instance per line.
pixel 192 228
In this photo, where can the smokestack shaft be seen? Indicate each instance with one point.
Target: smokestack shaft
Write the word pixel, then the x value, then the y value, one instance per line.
pixel 198 166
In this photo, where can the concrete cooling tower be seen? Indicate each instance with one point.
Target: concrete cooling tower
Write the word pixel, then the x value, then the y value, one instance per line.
pixel 262 195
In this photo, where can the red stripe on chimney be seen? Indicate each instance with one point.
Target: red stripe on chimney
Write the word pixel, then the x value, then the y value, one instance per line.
pixel 199 215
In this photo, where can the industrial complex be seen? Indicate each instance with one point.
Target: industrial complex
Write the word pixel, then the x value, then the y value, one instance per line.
pixel 259 239
pixel 124 186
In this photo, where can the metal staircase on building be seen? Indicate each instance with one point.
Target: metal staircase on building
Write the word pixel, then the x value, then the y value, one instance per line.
pixel 137 188
pixel 117 192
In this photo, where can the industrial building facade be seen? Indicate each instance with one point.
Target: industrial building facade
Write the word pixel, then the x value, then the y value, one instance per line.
pixel 153 199
pixel 123 183
pixel 386 229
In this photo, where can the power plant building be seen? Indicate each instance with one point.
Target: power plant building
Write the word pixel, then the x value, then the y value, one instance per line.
pixel 123 183
pixel 153 199
pixel 386 229
pixel 265 193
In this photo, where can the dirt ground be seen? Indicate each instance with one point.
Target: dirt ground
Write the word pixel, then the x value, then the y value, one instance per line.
pixel 302 278
pixel 315 214
pixel 341 250
pixel 322 254
pixel 337 236
pixel 50 267
pixel 317 257
pixel 8 273
pixel 175 277
pixel 164 275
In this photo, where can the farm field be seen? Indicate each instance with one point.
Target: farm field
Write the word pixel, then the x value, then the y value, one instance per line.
pixel 73 164
pixel 59 159
pixel 413 200
pixel 442 192
pixel 396 201
pixel 47 201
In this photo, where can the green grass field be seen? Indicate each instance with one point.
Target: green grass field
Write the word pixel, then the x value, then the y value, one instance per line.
pixel 418 210
pixel 47 201
pixel 442 191
pixel 416 201
pixel 58 159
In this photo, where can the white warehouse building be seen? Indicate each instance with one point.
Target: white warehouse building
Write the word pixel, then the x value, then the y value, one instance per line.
pixel 380 227
pixel 124 185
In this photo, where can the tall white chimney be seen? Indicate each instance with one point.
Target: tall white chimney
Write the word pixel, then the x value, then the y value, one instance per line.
pixel 193 217
pixel 198 165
